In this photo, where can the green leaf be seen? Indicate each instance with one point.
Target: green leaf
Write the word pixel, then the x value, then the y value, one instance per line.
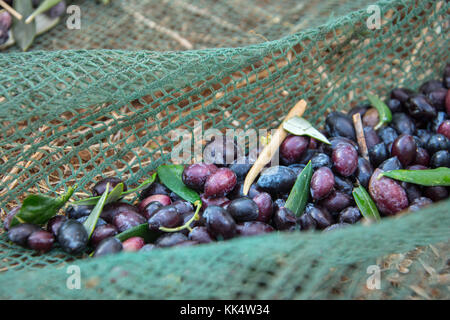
pixel 44 6
pixel 38 209
pixel 301 127
pixel 114 195
pixel 141 230
pixel 170 176
pixel 91 221
pixel 23 33
pixel 143 185
pixel 384 113
pixel 298 197
pixel 365 204
pixel 427 177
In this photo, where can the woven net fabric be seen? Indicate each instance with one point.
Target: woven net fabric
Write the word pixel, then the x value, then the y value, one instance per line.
pixel 72 116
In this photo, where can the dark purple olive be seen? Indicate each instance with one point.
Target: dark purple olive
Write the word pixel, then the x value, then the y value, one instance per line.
pixel 322 182
pixel 336 226
pixel 284 219
pixel 307 222
pixel 391 164
pixel 404 148
pixel 219 222
pixel 433 125
pixel 338 124
pixel 364 171
pixel 446 76
pixel 220 201
pixel 371 137
pixel 350 215
pixel 447 103
pixel 194 176
pixel 343 185
pixel 238 191
pixel 243 209
pixel 292 149
pixel 336 142
pixel 100 186
pixel 167 217
pixel 401 94
pixel 148 247
pixel 321 160
pixel 388 195
pixel 133 244
pixel 437 98
pixel 412 191
pixel 100 221
pixel 221 151
pixel 336 202
pixel 126 220
pixel 41 241
pixel 277 179
pixel 112 209
pixel 320 215
pixel 444 129
pixel 387 134
pixel 279 203
pixel 345 160
pixel 430 86
pixel 170 239
pixel 252 228
pixel 151 208
pixel 422 157
pixel 265 206
pixel 72 237
pixel 196 223
pixel 220 183
pixel 424 136
pixel 103 232
pixel 420 108
pixel 307 156
pixel 5 25
pixel 183 206
pixel 438 142
pixel 402 123
pixel 154 188
pixel 437 193
pixel 201 235
pixel 378 154
pixel 419 203
pixel 19 233
pixel 361 109
pixel 241 166
pixel 108 246
pixel 440 159
pixel 76 212
pixel 297 167
pixel 55 223
pixel 394 105
pixel 161 198
pixel 416 167
pixel 57 10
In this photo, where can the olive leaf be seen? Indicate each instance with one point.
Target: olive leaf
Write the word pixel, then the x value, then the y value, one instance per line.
pixel 170 176
pixel 141 230
pixel 301 127
pixel 298 197
pixel 44 6
pixel 115 194
pixel 427 177
pixel 92 219
pixel 38 209
pixel 23 33
pixel 365 204
pixel 384 113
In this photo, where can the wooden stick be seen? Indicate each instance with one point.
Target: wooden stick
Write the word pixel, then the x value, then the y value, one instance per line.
pixel 270 149
pixel 360 136
pixel 8 8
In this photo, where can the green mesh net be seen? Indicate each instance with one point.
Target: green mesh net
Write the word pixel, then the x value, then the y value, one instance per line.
pixel 75 115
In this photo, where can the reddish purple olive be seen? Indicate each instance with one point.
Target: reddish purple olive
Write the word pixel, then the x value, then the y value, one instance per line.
pixel 194 176
pixel 444 129
pixel 220 183
pixel 19 233
pixel 336 201
pixel 127 220
pixel 103 232
pixel 100 186
pixel 404 148
pixel 133 244
pixel 154 188
pixel 345 160
pixel 292 149
pixel 265 206
pixel 219 201
pixel 161 198
pixel 252 228
pixel 54 224
pixel 41 241
pixel 112 209
pixel 10 216
pixel 201 235
pixel 322 183
pixel 422 157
